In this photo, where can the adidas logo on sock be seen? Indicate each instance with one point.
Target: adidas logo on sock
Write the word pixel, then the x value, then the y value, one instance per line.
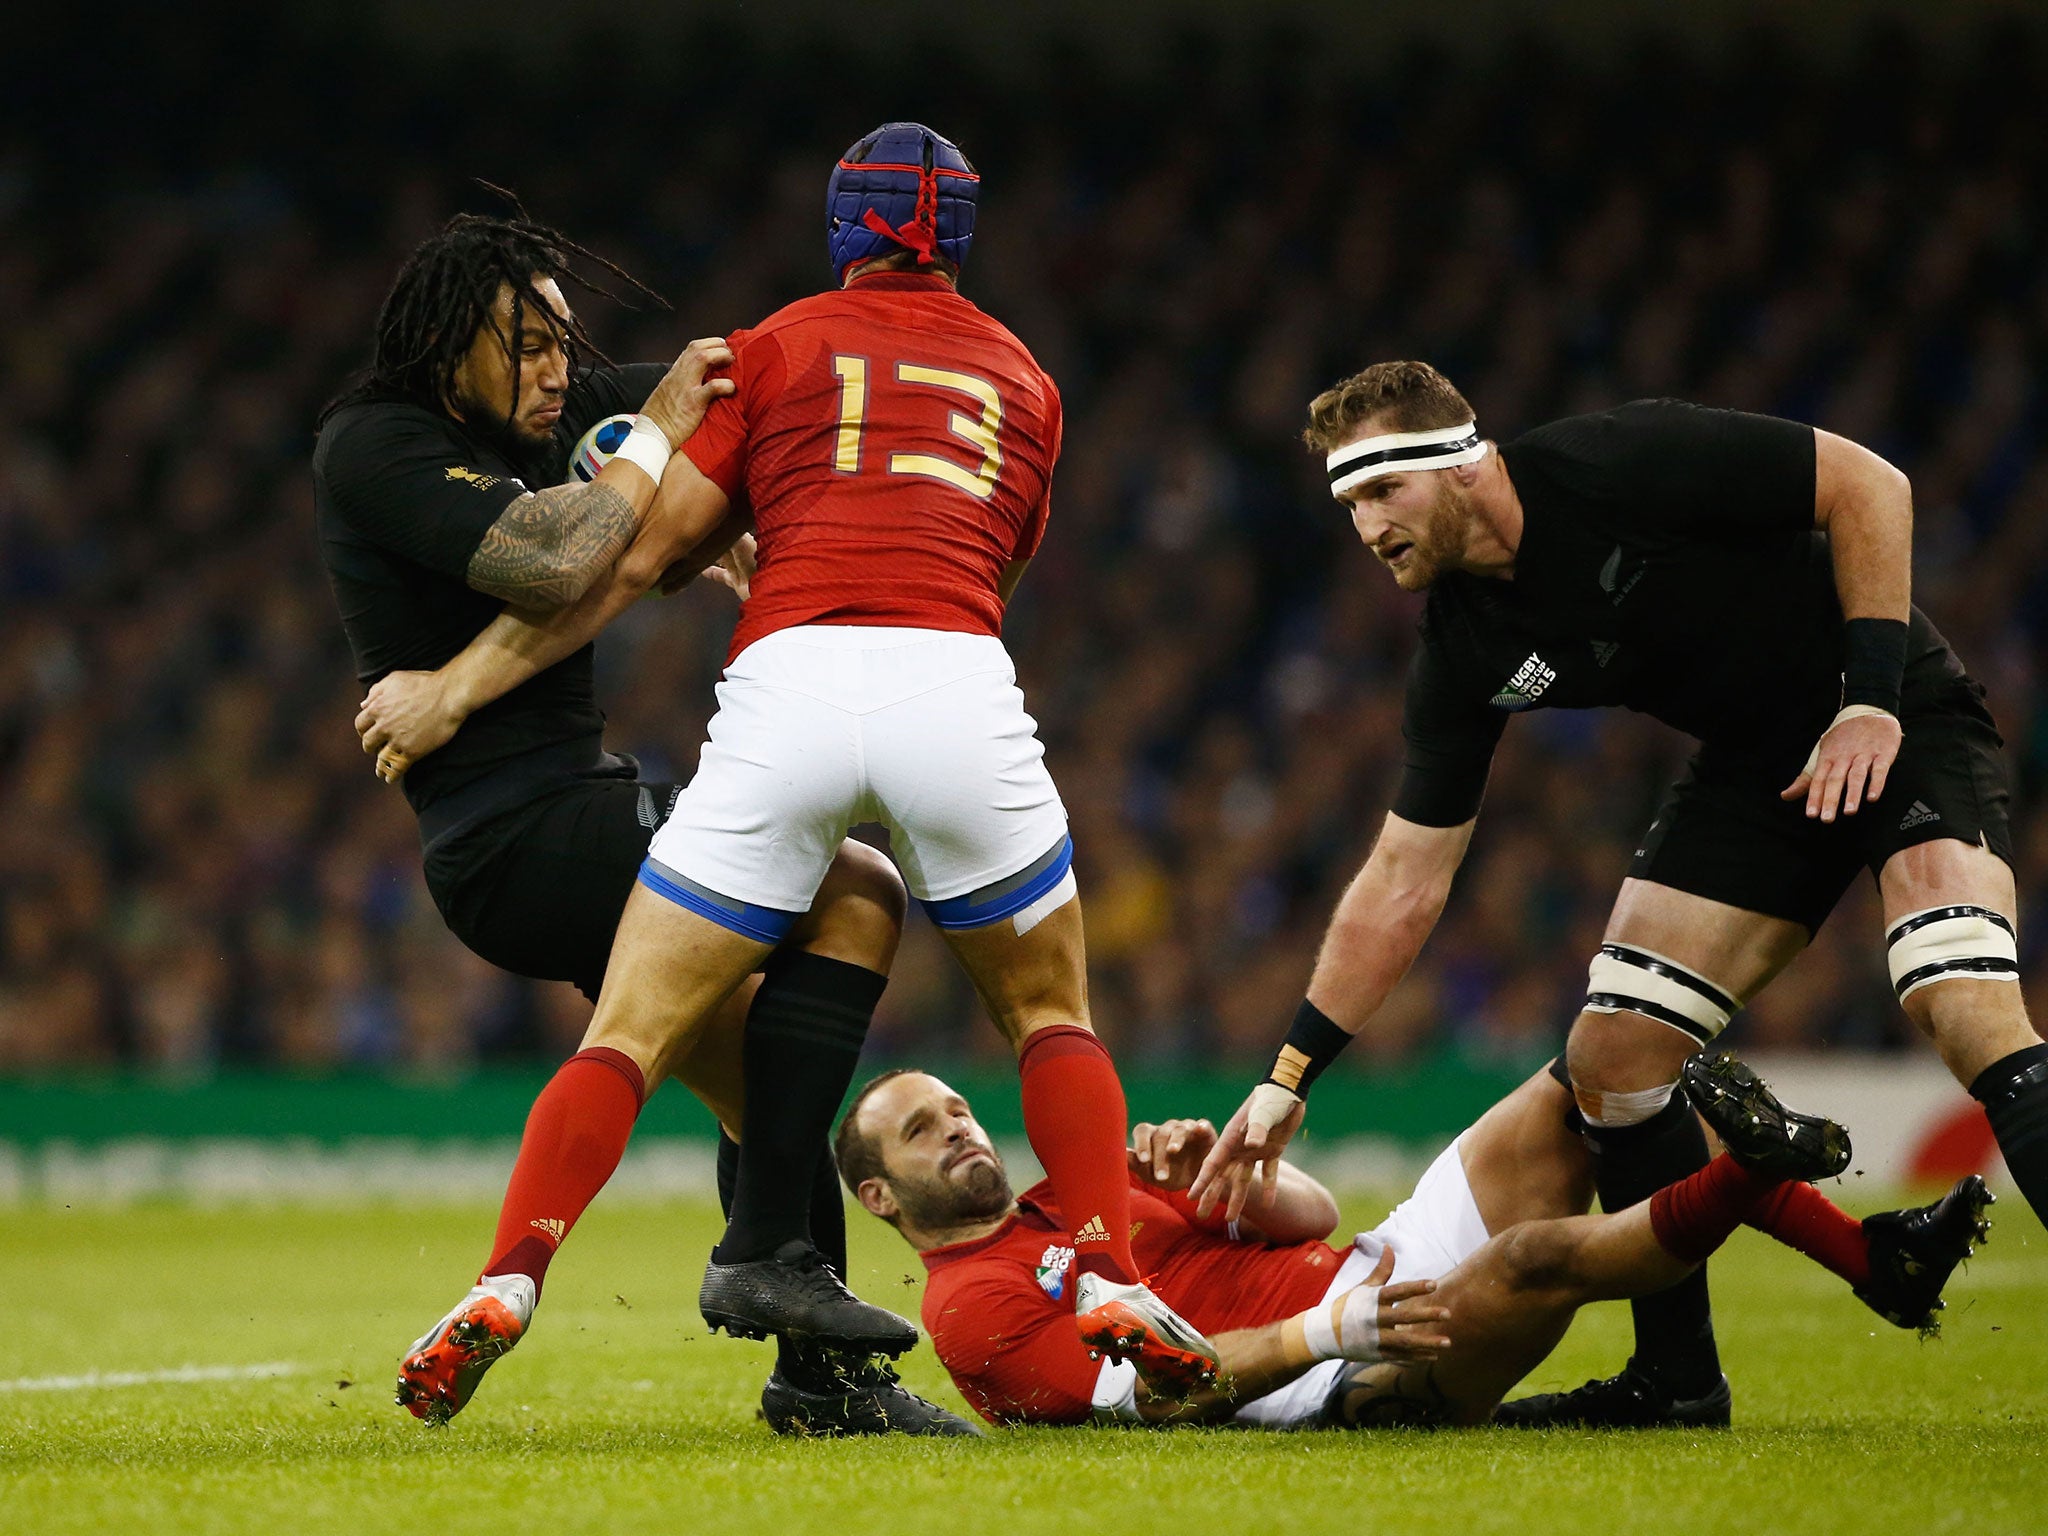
pixel 1918 816
pixel 1092 1231
pixel 552 1226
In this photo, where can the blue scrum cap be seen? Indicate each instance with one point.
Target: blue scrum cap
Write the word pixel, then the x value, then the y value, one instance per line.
pixel 903 187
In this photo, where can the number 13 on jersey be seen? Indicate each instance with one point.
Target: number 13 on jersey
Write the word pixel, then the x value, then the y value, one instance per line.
pixel 977 431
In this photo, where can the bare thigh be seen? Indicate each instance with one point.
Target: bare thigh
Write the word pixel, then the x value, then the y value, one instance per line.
pixel 1028 981
pixel 670 973
pixel 1522 1160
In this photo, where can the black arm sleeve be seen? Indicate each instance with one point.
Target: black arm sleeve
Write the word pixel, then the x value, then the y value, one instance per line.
pixel 1711 473
pixel 1451 736
pixel 403 481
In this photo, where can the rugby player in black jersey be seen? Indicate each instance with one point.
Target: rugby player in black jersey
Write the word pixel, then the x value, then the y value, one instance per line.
pixel 1748 581
pixel 437 483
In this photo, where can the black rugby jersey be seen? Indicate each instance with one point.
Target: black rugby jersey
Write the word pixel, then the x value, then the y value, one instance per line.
pixel 1668 564
pixel 403 496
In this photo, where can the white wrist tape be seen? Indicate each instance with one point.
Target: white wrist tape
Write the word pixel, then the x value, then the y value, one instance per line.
pixel 1269 1105
pixel 647 446
pixel 1849 712
pixel 1346 1328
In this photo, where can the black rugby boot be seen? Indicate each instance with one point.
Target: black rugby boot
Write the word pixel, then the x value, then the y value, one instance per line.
pixel 1912 1254
pixel 1759 1132
pixel 1632 1400
pixel 796 1294
pixel 840 1395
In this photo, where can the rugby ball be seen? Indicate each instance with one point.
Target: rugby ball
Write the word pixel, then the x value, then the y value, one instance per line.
pixel 597 446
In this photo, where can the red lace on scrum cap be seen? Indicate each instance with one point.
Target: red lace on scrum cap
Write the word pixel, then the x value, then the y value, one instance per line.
pixel 921 234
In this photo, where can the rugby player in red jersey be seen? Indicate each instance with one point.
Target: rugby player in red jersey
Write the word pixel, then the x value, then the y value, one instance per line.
pixel 894 447
pixel 1429 1318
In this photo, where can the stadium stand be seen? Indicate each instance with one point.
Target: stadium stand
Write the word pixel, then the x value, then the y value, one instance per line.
pixel 197 866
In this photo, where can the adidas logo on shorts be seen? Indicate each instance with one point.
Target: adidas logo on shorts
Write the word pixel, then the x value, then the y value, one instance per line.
pixel 1918 816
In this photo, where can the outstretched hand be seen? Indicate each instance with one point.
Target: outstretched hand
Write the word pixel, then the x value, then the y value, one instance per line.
pixel 1849 763
pixel 1251 1143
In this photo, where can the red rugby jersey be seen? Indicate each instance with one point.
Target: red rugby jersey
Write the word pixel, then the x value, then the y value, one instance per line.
pixel 896 446
pixel 1000 1310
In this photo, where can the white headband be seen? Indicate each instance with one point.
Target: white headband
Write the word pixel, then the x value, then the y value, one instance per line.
pixel 1392 452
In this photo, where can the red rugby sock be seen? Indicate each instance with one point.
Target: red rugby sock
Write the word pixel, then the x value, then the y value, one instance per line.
pixel 1074 1114
pixel 1696 1215
pixel 1800 1216
pixel 575 1135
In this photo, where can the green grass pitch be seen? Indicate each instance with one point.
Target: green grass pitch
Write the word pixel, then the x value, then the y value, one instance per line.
pixel 620 1414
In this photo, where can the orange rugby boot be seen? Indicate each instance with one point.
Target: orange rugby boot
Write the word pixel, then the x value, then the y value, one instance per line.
pixel 1129 1322
pixel 441 1370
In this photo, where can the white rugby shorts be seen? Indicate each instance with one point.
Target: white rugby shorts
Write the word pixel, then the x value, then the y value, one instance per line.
pixel 1432 1232
pixel 822 727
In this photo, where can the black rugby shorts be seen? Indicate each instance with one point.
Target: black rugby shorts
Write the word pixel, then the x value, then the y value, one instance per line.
pixel 1724 834
pixel 540 889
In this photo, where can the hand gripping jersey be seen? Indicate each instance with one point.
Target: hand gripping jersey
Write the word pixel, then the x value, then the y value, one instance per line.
pixel 896 446
pixel 1000 1310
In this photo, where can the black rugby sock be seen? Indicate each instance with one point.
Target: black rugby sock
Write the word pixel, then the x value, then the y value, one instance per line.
pixel 2014 1093
pixel 828 1211
pixel 728 1171
pixel 814 1367
pixel 804 1036
pixel 1675 1327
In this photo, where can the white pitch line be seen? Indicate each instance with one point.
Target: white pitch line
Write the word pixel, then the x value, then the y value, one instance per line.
pixel 184 1373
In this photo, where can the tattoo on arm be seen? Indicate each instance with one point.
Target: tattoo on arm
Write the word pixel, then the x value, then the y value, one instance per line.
pixel 546 548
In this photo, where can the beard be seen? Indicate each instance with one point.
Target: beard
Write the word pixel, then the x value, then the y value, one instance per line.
pixel 979 1194
pixel 525 447
pixel 1440 541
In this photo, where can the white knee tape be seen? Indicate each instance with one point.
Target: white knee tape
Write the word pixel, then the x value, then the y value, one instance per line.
pixel 1948 944
pixel 1612 1111
pixel 1626 979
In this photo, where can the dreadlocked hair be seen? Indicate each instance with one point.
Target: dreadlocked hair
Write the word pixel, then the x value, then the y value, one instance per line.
pixel 448 288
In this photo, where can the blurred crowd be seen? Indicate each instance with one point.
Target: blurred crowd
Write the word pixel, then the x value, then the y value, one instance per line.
pixel 197 867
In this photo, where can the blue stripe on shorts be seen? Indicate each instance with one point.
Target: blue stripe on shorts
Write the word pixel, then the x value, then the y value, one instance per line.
pixel 993 903
pixel 770 925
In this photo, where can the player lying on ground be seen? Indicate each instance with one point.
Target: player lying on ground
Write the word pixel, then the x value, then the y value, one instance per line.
pixel 895 446
pixel 1430 1317
pixel 1747 581
pixel 443 487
